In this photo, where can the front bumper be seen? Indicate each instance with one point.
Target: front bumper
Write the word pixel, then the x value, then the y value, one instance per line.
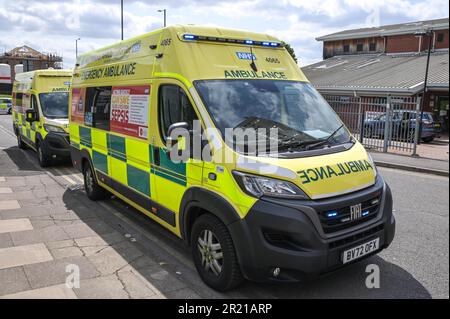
pixel 300 248
pixel 57 144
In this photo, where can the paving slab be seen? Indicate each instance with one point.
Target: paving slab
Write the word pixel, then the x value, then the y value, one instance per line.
pixel 5 241
pixel 24 255
pixel 161 279
pixel 2 179
pixel 55 272
pixel 5 190
pixel 41 235
pixel 107 287
pixel 54 292
pixel 15 225
pixel 9 204
pixel 13 280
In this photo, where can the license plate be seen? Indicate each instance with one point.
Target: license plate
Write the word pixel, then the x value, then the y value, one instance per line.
pixel 361 250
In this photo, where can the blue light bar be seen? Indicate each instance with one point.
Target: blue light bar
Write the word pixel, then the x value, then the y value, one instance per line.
pixel 189 37
pixel 365 213
pixel 194 37
pixel 332 214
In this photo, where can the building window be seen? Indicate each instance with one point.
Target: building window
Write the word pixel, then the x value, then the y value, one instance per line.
pixel 440 37
pixel 372 46
pixel 359 47
pixel 346 48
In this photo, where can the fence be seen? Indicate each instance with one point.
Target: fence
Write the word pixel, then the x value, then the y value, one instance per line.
pixel 387 124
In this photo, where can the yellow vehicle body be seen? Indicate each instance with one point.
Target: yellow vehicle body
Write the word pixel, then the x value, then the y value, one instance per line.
pixel 40 112
pixel 132 162
pixel 5 104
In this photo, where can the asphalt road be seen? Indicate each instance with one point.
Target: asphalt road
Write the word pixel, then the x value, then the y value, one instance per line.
pixel 416 265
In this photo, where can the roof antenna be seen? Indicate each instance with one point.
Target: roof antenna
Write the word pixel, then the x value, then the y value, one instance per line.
pixel 253 65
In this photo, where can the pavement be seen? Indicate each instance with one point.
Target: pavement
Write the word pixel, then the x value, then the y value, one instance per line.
pixel 48 227
pixel 410 163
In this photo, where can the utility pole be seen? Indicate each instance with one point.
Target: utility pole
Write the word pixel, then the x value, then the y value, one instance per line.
pixel 165 16
pixel 428 33
pixel 121 17
pixel 76 47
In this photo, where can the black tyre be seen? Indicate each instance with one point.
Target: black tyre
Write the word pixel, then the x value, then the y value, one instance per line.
pixel 93 190
pixel 44 158
pixel 428 139
pixel 20 142
pixel 214 254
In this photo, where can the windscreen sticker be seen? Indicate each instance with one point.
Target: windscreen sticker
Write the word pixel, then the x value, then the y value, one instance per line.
pixel 78 98
pixel 129 110
pixel 331 171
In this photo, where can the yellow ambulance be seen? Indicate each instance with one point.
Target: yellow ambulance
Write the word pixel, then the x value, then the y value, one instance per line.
pixel 5 104
pixel 40 113
pixel 307 202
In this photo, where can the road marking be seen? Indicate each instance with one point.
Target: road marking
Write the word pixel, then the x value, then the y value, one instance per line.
pixel 9 204
pixel 5 130
pixel 5 190
pixel 15 225
pixel 52 292
pixel 61 174
pixel 24 255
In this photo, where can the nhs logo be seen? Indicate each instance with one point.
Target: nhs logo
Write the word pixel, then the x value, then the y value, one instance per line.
pixel 245 56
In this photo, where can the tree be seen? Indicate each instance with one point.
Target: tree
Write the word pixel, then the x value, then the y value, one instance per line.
pixel 290 50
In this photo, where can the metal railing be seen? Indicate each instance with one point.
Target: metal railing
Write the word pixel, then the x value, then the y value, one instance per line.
pixel 386 124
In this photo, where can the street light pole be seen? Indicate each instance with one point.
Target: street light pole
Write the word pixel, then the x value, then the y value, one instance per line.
pixel 76 47
pixel 121 17
pixel 429 33
pixel 165 16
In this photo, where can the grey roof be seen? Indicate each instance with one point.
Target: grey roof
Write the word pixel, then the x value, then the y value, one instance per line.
pixel 394 29
pixel 401 73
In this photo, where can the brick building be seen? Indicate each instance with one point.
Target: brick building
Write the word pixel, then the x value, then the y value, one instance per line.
pixel 388 60
pixel 31 59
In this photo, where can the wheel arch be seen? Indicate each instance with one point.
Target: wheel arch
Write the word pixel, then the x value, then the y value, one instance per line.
pixel 198 201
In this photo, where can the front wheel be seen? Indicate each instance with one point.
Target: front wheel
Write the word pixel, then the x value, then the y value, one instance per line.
pixel 43 157
pixel 214 254
pixel 93 190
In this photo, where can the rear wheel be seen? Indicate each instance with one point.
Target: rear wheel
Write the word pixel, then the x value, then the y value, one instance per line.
pixel 214 254
pixel 93 190
pixel 428 139
pixel 43 157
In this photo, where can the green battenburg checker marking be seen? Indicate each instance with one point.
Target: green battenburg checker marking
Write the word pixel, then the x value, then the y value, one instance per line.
pixel 138 180
pixel 100 161
pixel 85 137
pixel 117 148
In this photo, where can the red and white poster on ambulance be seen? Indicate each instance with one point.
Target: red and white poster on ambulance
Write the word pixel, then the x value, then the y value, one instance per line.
pixel 129 110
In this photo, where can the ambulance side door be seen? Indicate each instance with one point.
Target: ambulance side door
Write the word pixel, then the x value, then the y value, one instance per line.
pixel 172 178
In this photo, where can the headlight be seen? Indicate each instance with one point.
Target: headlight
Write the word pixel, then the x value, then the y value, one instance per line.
pixel 258 186
pixel 373 164
pixel 52 128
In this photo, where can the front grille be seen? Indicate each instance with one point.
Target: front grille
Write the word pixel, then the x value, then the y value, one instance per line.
pixel 356 237
pixel 340 218
pixel 282 240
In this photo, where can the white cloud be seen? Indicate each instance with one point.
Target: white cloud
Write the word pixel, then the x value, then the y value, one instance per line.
pixel 49 25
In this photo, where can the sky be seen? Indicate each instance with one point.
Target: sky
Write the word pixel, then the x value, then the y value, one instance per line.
pixel 52 26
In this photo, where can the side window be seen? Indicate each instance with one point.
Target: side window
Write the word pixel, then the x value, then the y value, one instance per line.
pixel 174 107
pixel 98 104
pixel 34 105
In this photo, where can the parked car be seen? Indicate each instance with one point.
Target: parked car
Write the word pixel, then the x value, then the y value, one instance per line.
pixel 403 126
pixel 5 105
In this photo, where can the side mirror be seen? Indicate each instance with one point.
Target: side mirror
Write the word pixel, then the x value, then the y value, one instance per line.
pixel 31 116
pixel 172 141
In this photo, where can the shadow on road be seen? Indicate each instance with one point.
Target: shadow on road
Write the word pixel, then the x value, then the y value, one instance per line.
pixel 395 282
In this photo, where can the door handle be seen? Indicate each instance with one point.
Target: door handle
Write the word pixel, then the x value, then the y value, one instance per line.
pixel 156 156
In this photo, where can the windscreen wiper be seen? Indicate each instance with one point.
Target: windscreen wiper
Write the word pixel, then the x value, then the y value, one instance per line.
pixel 325 141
